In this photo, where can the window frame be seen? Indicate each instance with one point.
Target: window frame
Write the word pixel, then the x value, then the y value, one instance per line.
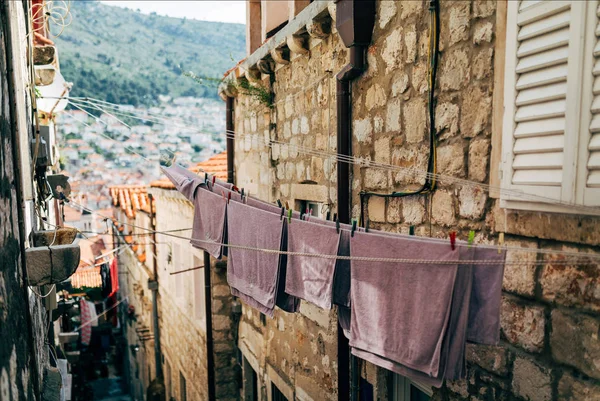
pixel 401 386
pixel 578 114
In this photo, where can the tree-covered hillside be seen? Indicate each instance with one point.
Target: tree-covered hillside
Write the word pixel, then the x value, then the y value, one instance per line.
pixel 126 57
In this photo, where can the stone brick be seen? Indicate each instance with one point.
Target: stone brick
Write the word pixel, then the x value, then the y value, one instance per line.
pixel 520 278
pixel 376 209
pixel 459 21
pixel 442 210
pixel 483 63
pixel 415 116
pixel 394 211
pixel 413 211
pixel 446 119
pixel 451 160
pixel 419 78
pixel 375 97
pixel 363 130
pixel 287 130
pixel 459 387
pixel 295 126
pixel 574 341
pixel 483 32
pixel 476 111
pixel 392 50
pixel 571 284
pixel 455 70
pixel 489 357
pixel 479 151
pixel 572 389
pixel 408 8
pixel 531 381
pixel 471 202
pixel 392 119
pixel 304 125
pixel 382 150
pixel 410 41
pixel 483 8
pixel 387 11
pixel 376 178
pixel 400 84
pixel 523 325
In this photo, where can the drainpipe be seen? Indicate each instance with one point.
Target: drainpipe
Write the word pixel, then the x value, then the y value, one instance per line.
pixel 230 141
pixel 355 20
pixel 210 359
pixel 153 285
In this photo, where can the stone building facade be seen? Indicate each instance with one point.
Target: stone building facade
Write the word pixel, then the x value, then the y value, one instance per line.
pixel 549 348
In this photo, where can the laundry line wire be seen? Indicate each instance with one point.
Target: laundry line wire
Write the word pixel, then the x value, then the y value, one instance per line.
pixel 412 171
pixel 394 260
pixel 101 314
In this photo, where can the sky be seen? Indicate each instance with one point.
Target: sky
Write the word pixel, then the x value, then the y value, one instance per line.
pixel 222 11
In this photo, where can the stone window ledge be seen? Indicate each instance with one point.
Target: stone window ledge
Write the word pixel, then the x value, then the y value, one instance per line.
pixel 316 21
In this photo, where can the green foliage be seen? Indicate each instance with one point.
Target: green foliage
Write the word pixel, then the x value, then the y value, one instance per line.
pixel 259 92
pixel 126 57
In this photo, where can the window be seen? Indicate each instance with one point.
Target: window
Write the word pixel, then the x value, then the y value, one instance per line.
pixel 199 306
pixel 551 129
pixel 182 388
pixel 276 394
pixel 314 208
pixel 250 380
pixel 407 390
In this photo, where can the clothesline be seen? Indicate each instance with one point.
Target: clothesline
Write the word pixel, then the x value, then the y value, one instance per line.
pixel 409 171
pixel 102 314
pixel 385 260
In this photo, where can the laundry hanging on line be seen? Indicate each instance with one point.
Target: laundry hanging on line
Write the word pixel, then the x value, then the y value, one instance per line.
pixel 442 304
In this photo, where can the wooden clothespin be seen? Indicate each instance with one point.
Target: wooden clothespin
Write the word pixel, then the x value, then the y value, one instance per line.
pixel 290 216
pixel 287 205
pixel 353 227
pixel 411 230
pixel 500 242
pixel 367 225
pixel 453 239
pixel 471 237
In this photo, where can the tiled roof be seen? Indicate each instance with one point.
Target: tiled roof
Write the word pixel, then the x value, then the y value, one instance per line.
pixel 215 165
pixel 130 198
pixel 87 277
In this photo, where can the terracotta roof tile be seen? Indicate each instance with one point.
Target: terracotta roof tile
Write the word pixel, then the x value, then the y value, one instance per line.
pixel 130 198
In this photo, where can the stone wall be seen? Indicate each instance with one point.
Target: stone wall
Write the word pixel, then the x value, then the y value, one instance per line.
pixel 549 348
pixel 23 352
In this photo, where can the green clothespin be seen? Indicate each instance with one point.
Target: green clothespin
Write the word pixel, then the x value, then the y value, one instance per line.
pixel 411 230
pixel 471 237
pixel 289 215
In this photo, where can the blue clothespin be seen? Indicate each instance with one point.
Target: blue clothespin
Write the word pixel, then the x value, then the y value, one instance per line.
pixel 328 215
pixel 337 224
pixel 282 212
pixel 411 230
pixel 353 227
pixel 279 203
pixel 471 237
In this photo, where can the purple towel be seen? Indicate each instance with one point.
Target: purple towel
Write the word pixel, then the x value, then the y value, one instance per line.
pixel 208 229
pixel 268 207
pixel 184 180
pixel 452 357
pixel 311 278
pixel 253 273
pixel 484 314
pixel 401 311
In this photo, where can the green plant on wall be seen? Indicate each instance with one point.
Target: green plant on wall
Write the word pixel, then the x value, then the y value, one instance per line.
pixel 242 86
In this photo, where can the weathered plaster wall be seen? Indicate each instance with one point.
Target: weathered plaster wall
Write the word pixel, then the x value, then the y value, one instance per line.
pixel 550 319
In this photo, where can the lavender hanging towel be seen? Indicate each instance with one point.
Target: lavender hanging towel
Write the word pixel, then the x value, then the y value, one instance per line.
pixel 254 273
pixel 208 228
pixel 268 207
pixel 184 180
pixel 484 315
pixel 311 277
pixel 452 356
pixel 400 311
pixel 285 301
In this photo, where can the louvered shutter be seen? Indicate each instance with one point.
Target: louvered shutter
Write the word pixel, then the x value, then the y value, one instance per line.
pixel 590 139
pixel 542 99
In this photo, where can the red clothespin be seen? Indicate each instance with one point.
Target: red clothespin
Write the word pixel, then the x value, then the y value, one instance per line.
pixel 213 180
pixel 228 197
pixel 235 188
pixel 453 239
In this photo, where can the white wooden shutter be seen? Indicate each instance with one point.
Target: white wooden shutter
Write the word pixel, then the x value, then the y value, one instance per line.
pixel 544 47
pixel 589 166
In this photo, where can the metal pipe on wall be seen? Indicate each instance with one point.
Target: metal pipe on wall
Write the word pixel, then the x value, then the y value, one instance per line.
pixel 153 285
pixel 230 141
pixel 355 20
pixel 210 359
